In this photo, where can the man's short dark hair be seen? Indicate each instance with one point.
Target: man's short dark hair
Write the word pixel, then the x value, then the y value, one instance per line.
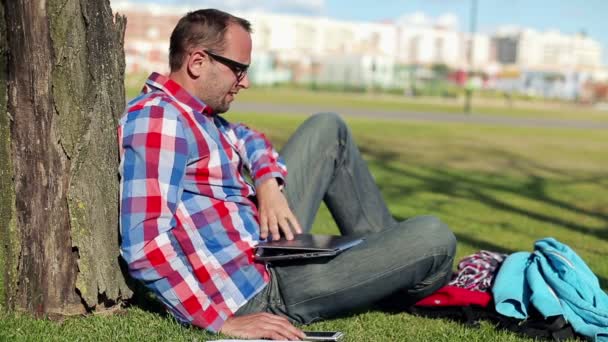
pixel 203 28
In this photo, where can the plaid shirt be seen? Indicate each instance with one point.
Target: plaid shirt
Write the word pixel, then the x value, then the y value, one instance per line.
pixel 187 219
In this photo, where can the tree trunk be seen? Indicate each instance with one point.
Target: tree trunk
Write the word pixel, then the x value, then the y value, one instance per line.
pixel 61 94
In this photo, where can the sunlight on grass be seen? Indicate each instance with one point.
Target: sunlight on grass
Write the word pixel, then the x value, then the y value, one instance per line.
pixel 376 101
pixel 547 110
pixel 498 188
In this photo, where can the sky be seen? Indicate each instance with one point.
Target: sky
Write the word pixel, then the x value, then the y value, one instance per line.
pixel 567 16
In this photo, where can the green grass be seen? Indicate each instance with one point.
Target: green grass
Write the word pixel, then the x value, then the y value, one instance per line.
pixel 499 188
pixel 494 107
pixel 2 271
pixel 138 325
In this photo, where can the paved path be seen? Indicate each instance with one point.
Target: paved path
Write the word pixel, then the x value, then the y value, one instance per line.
pixel 418 116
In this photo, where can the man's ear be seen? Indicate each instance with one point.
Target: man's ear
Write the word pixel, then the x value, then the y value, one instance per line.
pixel 196 62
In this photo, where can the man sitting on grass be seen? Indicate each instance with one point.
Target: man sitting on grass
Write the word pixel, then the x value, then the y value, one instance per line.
pixel 190 219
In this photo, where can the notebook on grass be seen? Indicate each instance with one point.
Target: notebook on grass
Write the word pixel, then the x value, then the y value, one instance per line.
pixel 305 246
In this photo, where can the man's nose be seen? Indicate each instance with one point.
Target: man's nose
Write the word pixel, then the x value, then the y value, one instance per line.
pixel 244 82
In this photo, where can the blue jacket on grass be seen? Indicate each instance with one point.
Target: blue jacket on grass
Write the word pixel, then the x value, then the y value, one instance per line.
pixel 557 282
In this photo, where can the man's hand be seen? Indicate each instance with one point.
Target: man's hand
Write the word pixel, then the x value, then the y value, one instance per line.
pixel 261 325
pixel 275 213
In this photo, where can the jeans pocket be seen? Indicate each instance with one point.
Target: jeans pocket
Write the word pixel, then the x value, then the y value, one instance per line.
pixel 257 303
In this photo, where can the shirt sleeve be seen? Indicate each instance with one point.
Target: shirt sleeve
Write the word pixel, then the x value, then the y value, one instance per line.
pixel 261 158
pixel 154 155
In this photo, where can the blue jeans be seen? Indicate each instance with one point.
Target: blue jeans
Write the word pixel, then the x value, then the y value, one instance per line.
pixel 398 261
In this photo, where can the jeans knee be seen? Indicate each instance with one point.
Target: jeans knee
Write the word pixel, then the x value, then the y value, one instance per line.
pixel 438 234
pixel 328 122
pixel 327 130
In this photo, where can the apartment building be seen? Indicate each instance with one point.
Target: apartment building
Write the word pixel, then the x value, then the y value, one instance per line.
pixel 549 50
pixel 320 49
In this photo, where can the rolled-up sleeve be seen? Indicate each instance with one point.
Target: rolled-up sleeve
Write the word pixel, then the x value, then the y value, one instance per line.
pixel 261 158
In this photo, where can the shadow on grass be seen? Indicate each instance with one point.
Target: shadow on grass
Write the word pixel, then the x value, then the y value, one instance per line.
pixel 142 297
pixel 481 244
pixel 489 189
pixel 459 185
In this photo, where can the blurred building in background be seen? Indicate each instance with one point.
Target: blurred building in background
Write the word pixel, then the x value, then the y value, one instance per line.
pixel 147 36
pixel 406 53
pixel 548 50
pixel 550 64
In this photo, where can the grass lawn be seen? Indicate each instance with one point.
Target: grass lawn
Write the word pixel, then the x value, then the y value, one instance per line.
pixel 498 188
pixel 494 107
pixel 485 106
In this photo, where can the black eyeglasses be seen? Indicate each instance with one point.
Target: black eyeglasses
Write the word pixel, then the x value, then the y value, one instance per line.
pixel 239 69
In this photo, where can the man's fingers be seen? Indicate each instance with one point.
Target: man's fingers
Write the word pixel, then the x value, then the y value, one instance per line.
pixel 273 227
pixel 282 326
pixel 279 333
pixel 262 325
pixel 263 226
pixel 275 215
pixel 294 223
pixel 284 323
pixel 286 228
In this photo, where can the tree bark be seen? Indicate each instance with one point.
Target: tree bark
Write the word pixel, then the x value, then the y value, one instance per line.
pixel 65 84
pixel 7 191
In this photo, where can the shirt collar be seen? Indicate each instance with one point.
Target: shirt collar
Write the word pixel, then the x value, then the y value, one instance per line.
pixel 173 89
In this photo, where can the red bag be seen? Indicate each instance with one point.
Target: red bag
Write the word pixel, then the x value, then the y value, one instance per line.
pixel 456 296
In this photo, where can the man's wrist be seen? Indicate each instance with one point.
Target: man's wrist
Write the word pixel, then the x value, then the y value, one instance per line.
pixel 267 186
pixel 261 179
pixel 270 182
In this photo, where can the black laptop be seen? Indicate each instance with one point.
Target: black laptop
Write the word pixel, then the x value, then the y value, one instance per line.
pixel 304 246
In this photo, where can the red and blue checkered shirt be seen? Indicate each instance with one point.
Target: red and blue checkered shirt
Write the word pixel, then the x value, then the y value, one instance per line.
pixel 187 218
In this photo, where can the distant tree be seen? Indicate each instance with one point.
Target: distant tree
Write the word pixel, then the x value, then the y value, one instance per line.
pixel 440 71
pixel 61 94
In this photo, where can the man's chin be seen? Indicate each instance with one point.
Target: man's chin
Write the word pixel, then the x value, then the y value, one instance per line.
pixel 222 109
